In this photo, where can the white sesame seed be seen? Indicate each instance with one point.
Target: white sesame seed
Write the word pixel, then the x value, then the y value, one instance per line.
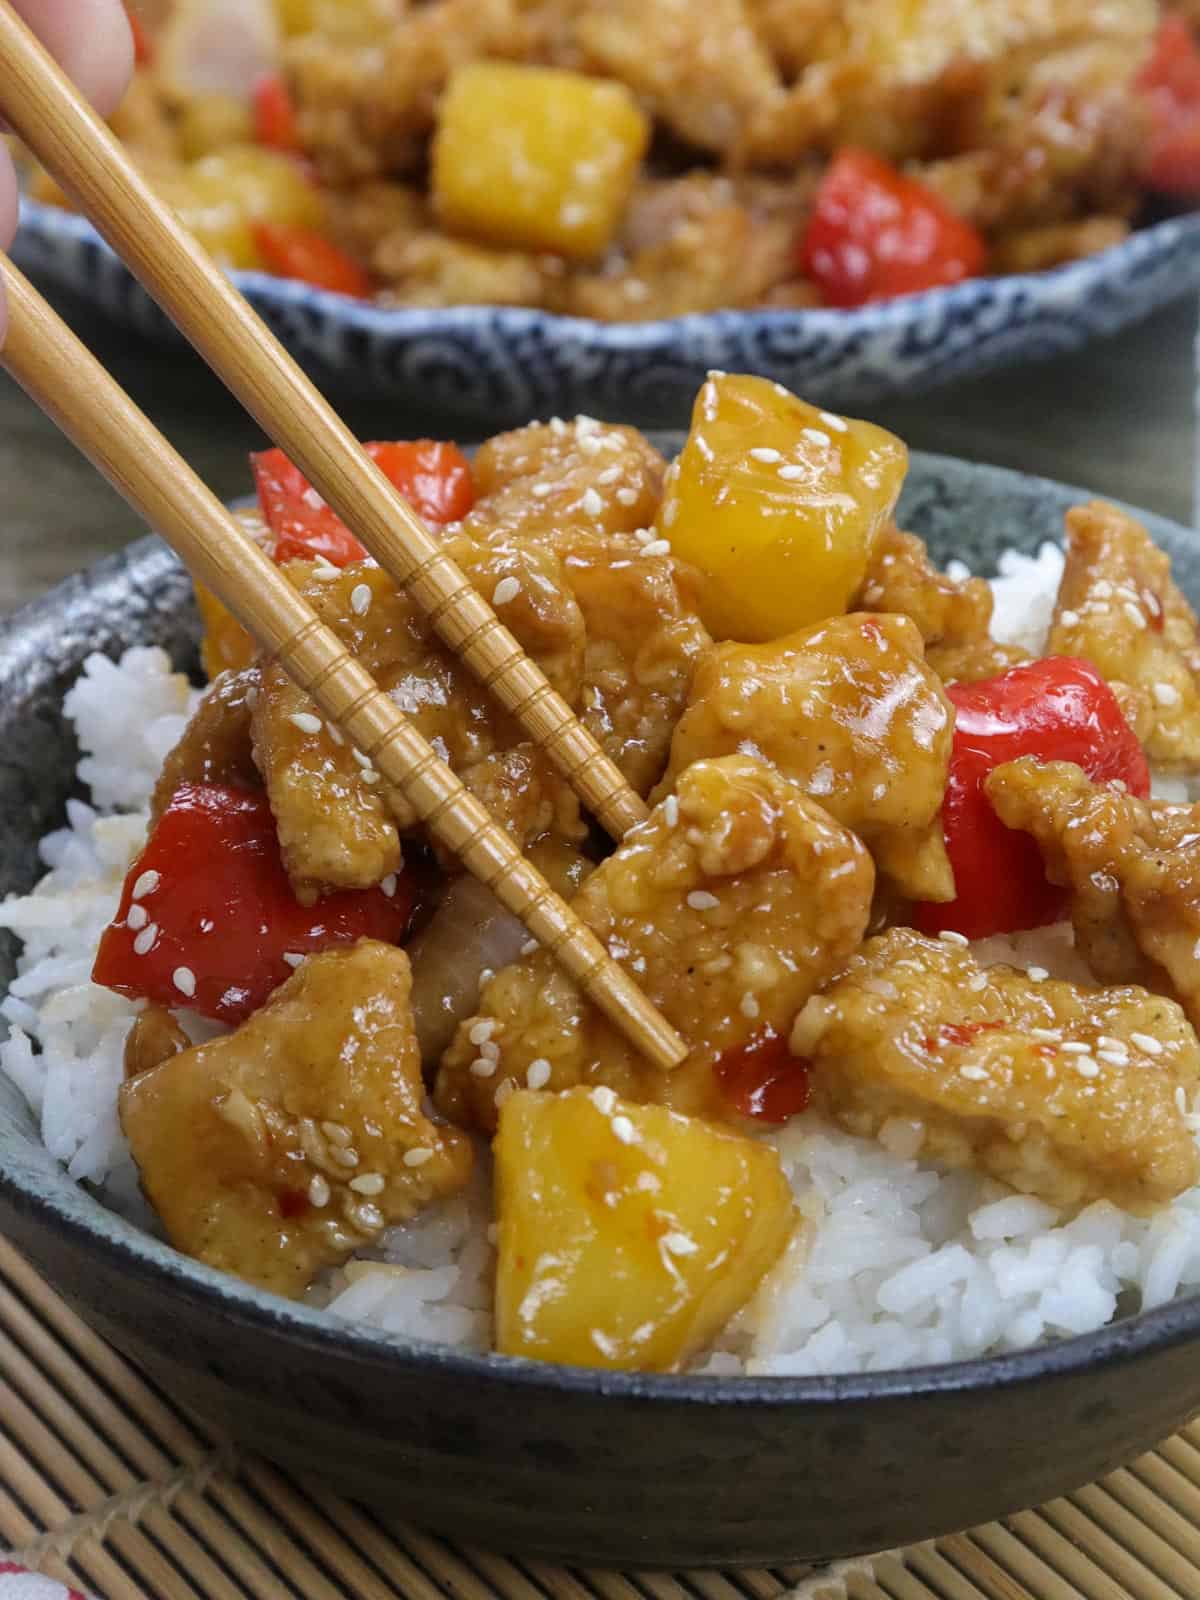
pixel 1115 1058
pixel 951 936
pixel 973 1074
pixel 418 1156
pixel 1166 694
pixel 791 473
pixel 480 1032
pixel 529 947
pixel 838 424
pixel 318 1191
pixel 669 513
pixel 504 1093
pixel 369 776
pixel 624 1130
pixel 184 980
pixel 1087 1068
pixel 671 810
pixel 592 502
pixel 657 547
pixel 145 939
pixel 507 589
pixel 360 599
pixel 363 761
pixel 541 491
pixel 749 1006
pixel 977 982
pixel 293 957
pixel 1102 590
pixel 388 884
pixel 344 1158
pixel 305 721
pixel 336 734
pixel 1135 614
pixel 1072 1047
pixel 1046 1035
pixel 679 1244
pixel 136 917
pixel 609 475
pixel 369 1217
pixel 146 883
pixel 1144 1042
pixel 627 496
pixel 702 900
pixel 764 453
pixel 336 1132
pixel 603 1099
pixel 368 1183
pixel 482 1068
pixel 489 1050
pixel 538 1075
pixel 1069 619
pixel 815 436
pixel 1038 974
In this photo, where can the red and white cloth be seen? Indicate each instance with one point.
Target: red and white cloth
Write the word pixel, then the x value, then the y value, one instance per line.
pixel 18 1584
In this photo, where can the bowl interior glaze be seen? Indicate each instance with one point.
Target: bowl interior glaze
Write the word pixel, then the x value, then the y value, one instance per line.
pixel 577 1465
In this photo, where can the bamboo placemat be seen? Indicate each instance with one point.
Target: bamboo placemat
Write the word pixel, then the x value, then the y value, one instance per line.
pixel 106 1485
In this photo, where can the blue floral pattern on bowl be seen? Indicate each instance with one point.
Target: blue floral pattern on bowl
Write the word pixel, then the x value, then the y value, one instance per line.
pixel 506 364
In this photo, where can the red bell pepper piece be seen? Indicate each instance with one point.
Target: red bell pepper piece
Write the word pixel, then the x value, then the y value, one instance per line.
pixel 207 917
pixel 1170 81
pixel 434 478
pixel 763 1079
pixel 291 251
pixel 274 114
pixel 875 234
pixel 1059 709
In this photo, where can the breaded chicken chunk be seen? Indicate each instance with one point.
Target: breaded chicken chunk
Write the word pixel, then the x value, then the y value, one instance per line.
pixel 847 709
pixel 728 906
pixel 282 1148
pixel 1068 1093
pixel 215 747
pixel 1119 608
pixel 1132 866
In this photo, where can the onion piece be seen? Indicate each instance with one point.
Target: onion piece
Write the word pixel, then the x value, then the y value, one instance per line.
pixel 469 932
pixel 217 47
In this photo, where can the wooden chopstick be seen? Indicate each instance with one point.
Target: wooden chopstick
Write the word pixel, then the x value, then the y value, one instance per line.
pixel 69 384
pixel 56 123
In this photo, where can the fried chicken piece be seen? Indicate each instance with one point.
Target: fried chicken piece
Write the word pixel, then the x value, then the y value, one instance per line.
pixel 792 29
pixel 1068 1093
pixel 338 823
pixel 1132 866
pixel 430 269
pixel 1119 608
pixel 215 747
pixel 579 491
pixel 1055 243
pixel 282 1148
pixel 703 70
pixel 735 899
pixel 523 790
pixel 847 709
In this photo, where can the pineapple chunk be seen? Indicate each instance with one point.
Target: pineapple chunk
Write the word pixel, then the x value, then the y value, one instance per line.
pixel 778 504
pixel 536 158
pixel 628 1234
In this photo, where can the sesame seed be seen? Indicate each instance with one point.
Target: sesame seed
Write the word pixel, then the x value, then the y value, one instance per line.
pixel 336 1132
pixel 671 810
pixel 363 761
pixel 670 512
pixel 791 473
pixel 1069 619
pixel 538 1075
pixel 388 884
pixel 603 1099
pixel 679 1244
pixel 529 947
pixel 489 1050
pixel 1115 1058
pixel 610 475
pixel 702 900
pixel 369 1217
pixel 627 496
pixel 592 502
pixel 136 917
pixel 145 940
pixel 815 436
pixel 507 589
pixel 305 721
pixel 146 883
pixel 368 1183
pixel 504 1093
pixel 418 1156
pixel 1087 1068
pixel 749 1006
pixel 977 982
pixel 344 1158
pixel 184 980
pixel 1072 1047
pixel 838 424
pixel 1166 694
pixel 624 1130
pixel 318 1191
pixel 482 1068
pixel 480 1032
pixel 973 1074
pixel 950 936
pixel 360 599
pixel 1135 614
pixel 1046 1035
pixel 764 453
pixel 336 734
pixel 1102 590
pixel 368 776
pixel 293 957
pixel 1151 1047
pixel 1038 974
pixel 540 491
pixel 657 547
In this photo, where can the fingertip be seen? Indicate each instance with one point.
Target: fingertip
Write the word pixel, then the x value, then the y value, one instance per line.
pixel 90 39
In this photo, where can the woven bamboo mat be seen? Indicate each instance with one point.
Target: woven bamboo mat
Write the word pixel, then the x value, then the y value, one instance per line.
pixel 108 1486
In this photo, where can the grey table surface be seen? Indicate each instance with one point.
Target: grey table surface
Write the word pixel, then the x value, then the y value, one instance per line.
pixel 1117 418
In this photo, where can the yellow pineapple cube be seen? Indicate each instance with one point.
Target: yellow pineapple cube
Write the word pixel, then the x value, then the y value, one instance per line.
pixel 628 1234
pixel 535 158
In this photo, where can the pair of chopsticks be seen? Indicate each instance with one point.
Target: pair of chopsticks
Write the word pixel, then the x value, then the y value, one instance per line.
pixel 71 386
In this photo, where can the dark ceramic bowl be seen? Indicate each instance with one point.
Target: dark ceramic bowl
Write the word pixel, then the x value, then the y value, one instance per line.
pixel 586 1467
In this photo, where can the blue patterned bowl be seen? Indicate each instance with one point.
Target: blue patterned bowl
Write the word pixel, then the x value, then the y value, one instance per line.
pixel 501 364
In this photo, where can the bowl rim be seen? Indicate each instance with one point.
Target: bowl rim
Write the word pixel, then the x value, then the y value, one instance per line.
pixel 1060 286
pixel 69 1209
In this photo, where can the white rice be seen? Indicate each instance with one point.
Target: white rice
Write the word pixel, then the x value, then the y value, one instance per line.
pixel 896 1265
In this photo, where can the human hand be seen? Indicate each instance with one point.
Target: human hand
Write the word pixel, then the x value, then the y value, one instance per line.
pixel 91 40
